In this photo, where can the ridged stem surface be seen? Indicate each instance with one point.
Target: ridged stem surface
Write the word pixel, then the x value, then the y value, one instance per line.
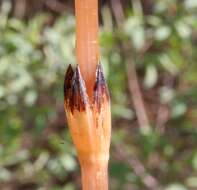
pixel 94 176
pixel 87 48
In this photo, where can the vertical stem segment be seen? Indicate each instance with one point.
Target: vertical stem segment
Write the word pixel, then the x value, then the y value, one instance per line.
pixel 90 125
pixel 87 48
pixel 94 176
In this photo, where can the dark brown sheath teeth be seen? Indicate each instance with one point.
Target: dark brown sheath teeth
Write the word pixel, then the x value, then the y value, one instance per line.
pixel 68 81
pixel 101 93
pixel 75 91
pixel 77 97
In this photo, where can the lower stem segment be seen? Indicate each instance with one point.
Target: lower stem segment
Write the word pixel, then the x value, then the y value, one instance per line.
pixel 94 176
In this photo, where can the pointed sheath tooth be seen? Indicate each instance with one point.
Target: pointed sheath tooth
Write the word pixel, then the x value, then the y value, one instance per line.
pixel 68 82
pixel 78 99
pixel 101 93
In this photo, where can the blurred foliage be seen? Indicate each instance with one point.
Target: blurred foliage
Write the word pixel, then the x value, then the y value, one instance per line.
pixel 36 150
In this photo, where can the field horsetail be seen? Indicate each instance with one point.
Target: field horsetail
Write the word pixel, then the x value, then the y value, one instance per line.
pixel 87 101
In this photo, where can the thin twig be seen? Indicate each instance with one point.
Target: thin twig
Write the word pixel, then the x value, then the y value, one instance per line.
pixel 55 5
pixel 148 180
pixel 131 72
pixel 162 118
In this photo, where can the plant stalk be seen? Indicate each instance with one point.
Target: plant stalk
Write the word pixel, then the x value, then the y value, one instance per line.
pixel 87 101
pixel 94 175
pixel 87 48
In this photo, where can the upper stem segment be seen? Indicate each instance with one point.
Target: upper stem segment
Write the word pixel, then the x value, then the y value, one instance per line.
pixel 87 47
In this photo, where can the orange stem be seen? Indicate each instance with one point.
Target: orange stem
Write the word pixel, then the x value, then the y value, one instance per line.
pixel 87 48
pixel 95 176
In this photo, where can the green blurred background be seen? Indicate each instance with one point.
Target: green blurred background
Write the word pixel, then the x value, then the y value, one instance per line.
pixel 157 39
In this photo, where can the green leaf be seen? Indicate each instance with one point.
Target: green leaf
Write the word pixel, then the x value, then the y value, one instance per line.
pixel 151 76
pixel 162 33
pixel 176 187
